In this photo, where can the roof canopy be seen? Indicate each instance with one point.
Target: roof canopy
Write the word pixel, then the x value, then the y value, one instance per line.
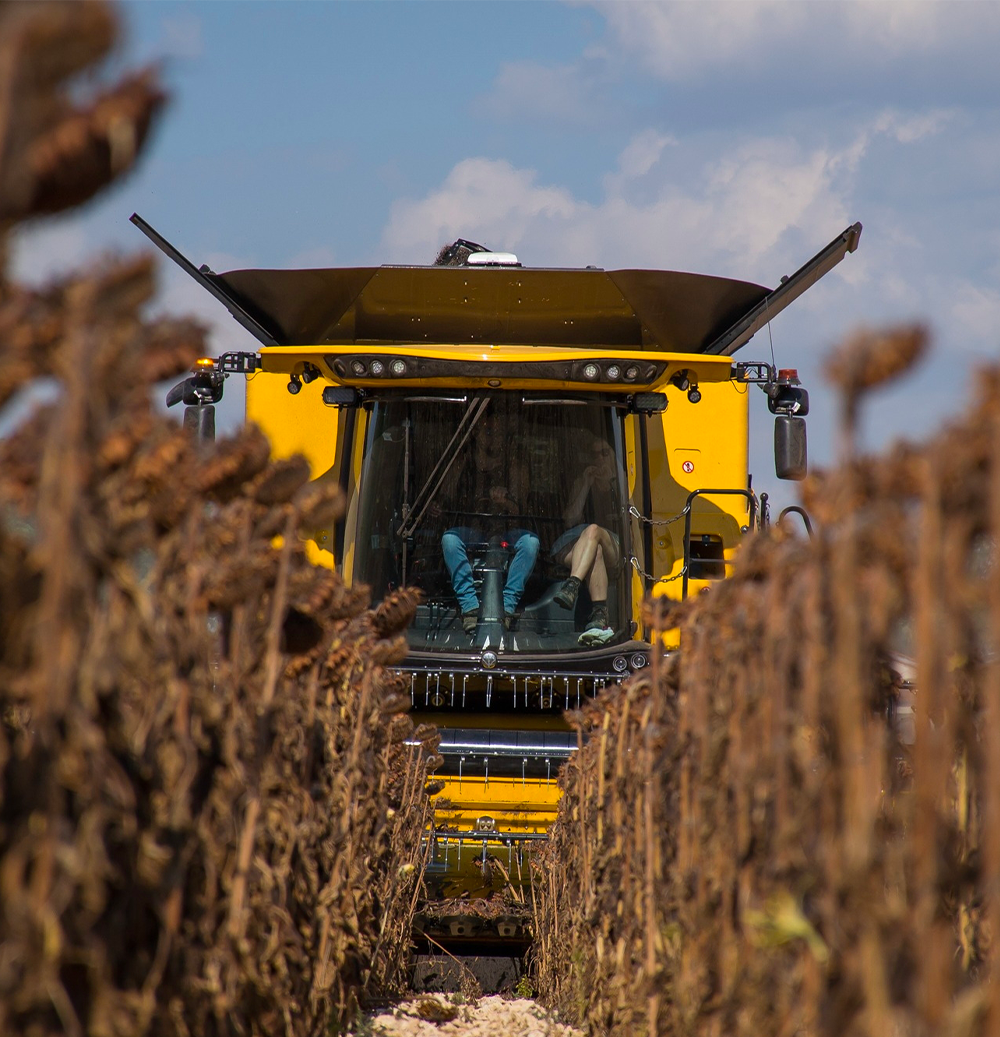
pixel 651 309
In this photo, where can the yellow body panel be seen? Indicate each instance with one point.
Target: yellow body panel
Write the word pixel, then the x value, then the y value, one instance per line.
pixel 521 809
pixel 517 804
pixel 301 424
pixel 704 445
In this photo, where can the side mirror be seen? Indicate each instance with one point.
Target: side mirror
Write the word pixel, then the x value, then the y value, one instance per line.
pixel 201 421
pixel 790 447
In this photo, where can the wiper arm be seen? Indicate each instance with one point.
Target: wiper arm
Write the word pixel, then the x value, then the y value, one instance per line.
pixel 414 513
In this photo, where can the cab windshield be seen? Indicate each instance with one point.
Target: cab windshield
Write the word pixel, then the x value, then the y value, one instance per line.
pixel 489 504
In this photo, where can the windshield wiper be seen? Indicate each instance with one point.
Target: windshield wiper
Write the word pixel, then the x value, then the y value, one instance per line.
pixel 412 514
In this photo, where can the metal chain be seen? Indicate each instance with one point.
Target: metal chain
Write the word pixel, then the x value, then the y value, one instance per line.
pixel 656 579
pixel 634 512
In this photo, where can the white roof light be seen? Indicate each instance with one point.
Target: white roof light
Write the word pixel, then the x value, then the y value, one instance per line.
pixel 492 259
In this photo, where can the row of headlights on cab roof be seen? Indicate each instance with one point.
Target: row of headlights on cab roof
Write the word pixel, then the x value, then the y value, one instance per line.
pixel 397 368
pixel 612 372
pixel 377 368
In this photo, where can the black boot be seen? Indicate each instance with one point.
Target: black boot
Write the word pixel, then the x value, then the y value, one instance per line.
pixel 566 596
pixel 598 629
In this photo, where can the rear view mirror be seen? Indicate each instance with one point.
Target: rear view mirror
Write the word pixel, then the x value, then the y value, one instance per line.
pixel 789 447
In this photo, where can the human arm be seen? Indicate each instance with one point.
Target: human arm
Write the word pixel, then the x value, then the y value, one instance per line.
pixel 573 513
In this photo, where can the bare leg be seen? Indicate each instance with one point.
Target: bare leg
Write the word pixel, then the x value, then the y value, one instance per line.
pixel 581 555
pixel 597 581
pixel 586 560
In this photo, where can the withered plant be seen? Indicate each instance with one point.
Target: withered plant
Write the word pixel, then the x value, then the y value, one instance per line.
pixel 792 825
pixel 209 823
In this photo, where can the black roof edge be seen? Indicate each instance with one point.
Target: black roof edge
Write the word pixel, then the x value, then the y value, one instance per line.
pixel 787 292
pixel 208 281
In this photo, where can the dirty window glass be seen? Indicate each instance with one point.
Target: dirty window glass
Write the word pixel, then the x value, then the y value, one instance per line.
pixel 481 502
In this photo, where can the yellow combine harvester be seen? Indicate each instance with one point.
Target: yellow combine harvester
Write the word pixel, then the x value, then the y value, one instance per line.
pixel 536 450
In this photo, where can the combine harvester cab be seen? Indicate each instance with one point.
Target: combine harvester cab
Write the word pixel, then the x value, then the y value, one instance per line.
pixel 479 417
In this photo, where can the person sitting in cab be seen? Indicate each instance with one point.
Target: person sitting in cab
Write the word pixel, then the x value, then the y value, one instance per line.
pixel 489 490
pixel 589 549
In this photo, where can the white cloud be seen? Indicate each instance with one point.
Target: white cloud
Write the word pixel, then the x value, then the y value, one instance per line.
pixel 567 93
pixel 482 199
pixel 916 25
pixel 744 214
pixel 754 210
pixel 901 127
pixel 676 41
pixel 642 153
pixel 975 313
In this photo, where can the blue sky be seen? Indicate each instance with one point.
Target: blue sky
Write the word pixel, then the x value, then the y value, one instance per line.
pixel 725 138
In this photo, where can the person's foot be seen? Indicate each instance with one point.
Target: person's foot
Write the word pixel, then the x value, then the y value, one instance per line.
pixel 470 620
pixel 510 621
pixel 598 627
pixel 567 594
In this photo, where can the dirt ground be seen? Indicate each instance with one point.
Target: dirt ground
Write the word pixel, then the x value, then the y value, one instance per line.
pixel 439 1015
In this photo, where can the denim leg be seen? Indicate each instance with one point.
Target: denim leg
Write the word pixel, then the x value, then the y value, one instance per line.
pixel 456 560
pixel 525 552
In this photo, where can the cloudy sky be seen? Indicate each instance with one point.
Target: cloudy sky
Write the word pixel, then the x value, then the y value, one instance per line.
pixel 734 139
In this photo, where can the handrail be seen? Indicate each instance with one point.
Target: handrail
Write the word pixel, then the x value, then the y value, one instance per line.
pixel 751 500
pixel 801 512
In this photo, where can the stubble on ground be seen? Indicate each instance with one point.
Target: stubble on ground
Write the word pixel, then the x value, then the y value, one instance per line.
pixel 488 1016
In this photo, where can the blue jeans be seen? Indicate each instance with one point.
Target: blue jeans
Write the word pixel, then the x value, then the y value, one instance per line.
pixel 454 547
